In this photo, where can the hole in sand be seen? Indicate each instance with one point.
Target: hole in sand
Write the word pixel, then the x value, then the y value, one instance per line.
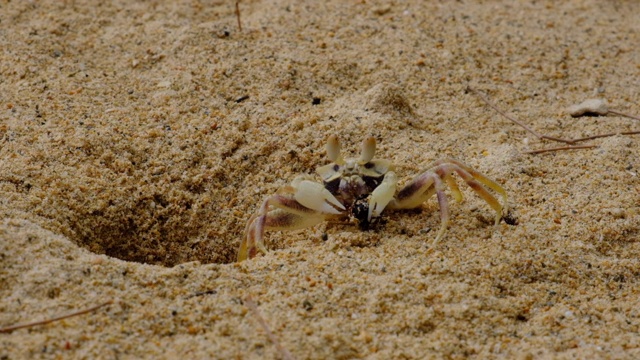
pixel 157 228
pixel 164 199
pixel 187 214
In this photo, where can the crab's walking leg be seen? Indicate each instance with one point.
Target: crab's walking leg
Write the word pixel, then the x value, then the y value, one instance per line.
pixel 425 185
pixel 476 180
pixel 418 191
pixel 453 186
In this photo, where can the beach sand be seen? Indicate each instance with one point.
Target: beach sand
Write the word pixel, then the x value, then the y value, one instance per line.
pixel 137 138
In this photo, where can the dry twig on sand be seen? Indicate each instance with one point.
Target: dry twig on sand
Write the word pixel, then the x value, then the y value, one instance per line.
pixel 9 329
pixel 600 109
pixel 254 310
pixel 238 15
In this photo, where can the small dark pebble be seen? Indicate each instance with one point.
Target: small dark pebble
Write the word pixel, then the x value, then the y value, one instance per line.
pixel 242 98
pixel 509 219
pixel 307 305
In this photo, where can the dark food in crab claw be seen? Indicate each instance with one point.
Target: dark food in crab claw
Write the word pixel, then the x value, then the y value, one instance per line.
pixel 360 212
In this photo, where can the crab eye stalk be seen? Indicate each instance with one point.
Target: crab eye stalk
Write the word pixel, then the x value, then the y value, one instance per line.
pixel 333 150
pixel 368 150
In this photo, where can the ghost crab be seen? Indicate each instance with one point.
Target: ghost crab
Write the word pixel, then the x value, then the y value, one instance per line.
pixel 360 189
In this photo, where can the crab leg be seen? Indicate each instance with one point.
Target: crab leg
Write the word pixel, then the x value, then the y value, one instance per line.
pixel 418 191
pixel 471 176
pixel 444 209
pixel 453 186
pixel 431 181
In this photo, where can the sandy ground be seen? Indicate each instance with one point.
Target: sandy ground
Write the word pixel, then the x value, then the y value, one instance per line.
pixel 137 138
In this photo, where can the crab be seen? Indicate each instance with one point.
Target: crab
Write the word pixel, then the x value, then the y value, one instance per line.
pixel 359 190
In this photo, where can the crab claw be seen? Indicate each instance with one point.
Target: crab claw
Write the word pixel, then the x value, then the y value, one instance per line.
pixel 382 195
pixel 314 196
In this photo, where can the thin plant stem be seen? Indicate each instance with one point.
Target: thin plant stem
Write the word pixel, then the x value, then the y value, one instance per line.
pixel 254 309
pixel 540 136
pixel 560 148
pixel 238 15
pixel 9 329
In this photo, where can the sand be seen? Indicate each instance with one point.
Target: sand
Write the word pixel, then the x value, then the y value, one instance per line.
pixel 137 138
